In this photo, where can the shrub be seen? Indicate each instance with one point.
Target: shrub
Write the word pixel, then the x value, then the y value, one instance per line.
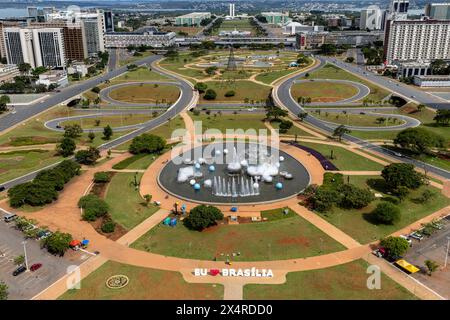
pixel 202 217
pixel 354 197
pixel 392 200
pixel 324 198
pixel 96 89
pixel 386 213
pixel 230 93
pixel 147 143
pixel 201 87
pixel 285 125
pixel 87 157
pixel 210 94
pixel 57 243
pixel 107 132
pixel 73 131
pixel 102 177
pixel 93 207
pixel 108 226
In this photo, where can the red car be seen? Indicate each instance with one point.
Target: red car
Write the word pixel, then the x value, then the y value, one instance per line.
pixel 36 266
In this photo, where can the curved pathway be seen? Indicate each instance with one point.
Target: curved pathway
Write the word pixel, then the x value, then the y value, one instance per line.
pixel 283 98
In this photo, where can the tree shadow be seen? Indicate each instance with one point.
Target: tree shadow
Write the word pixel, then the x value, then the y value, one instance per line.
pixel 378 184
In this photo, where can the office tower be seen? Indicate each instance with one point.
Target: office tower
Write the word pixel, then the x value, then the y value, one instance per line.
pixel 109 21
pixel 399 9
pixel 232 11
pixel 371 18
pixel 438 11
pixel 417 40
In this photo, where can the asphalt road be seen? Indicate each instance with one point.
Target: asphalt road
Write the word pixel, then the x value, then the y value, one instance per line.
pixel 185 99
pixel 65 94
pixel 401 89
pixel 283 94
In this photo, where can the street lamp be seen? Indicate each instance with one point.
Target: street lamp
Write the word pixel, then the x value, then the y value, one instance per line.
pixel 446 252
pixel 25 254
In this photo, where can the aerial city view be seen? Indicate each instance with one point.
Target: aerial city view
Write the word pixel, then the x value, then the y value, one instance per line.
pixel 224 150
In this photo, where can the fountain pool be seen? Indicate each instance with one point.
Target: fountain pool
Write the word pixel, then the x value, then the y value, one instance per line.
pixel 234 173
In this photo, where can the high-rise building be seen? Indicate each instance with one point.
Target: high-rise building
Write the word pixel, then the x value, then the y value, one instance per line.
pixel 371 18
pixel 36 46
pixel 279 18
pixel 109 21
pixel 232 11
pixel 439 11
pixel 398 9
pixel 417 40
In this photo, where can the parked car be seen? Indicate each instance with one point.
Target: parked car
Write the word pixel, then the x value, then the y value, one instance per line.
pixel 10 217
pixel 416 235
pixel 35 266
pixel 19 270
pixel 437 225
pixel 407 239
pixel 380 252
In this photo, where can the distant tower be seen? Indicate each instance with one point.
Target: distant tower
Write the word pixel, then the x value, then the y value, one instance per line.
pixel 399 9
pixel 232 12
pixel 231 66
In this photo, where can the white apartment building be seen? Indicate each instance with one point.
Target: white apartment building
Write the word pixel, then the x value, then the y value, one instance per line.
pixel 417 40
pixel 36 46
pixel 371 18
pixel 152 39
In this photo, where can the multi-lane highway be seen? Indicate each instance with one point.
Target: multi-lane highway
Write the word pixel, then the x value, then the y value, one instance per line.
pixel 282 97
pixel 25 113
pixel 188 98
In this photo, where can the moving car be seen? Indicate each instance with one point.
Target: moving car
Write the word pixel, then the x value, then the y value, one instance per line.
pixel 35 266
pixel 19 270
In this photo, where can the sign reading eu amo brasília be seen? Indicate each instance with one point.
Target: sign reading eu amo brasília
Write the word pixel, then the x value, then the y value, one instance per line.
pixel 253 272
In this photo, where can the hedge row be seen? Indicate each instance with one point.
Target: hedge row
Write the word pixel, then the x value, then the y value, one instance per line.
pixel 45 186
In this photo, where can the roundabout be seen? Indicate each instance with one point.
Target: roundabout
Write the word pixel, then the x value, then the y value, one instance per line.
pixel 234 173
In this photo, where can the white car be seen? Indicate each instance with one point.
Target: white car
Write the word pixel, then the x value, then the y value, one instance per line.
pixel 406 238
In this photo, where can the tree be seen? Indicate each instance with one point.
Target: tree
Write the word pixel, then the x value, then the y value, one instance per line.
pixel 230 93
pixel 19 260
pixel 96 89
pixel 353 197
pixel 210 94
pixel 350 59
pixel 107 132
pixel 88 157
pixel 402 174
pixel 108 226
pixel 285 125
pixel 91 136
pixel 395 246
pixel 93 207
pixel 440 67
pixel 275 113
pixel 432 266
pixel 57 242
pixel 442 117
pixel 302 116
pixel 73 131
pixel 386 213
pixel 421 107
pixel 419 140
pixel 328 49
pixel 24 68
pixel 201 87
pixel 202 217
pixel 4 100
pixel 340 131
pixel 66 147
pixel 147 143
pixel 3 291
pixel 147 198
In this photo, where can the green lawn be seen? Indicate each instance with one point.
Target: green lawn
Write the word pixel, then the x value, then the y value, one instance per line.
pixel 358 223
pixel 343 158
pixel 294 130
pixel 269 77
pixel 132 59
pixel 343 282
pixel 146 93
pixel 113 121
pixel 241 25
pixel 244 91
pixel 351 119
pixel 145 284
pixel 141 74
pixel 177 65
pixel 330 71
pixel 126 205
pixel 320 91
pixel 231 121
pixel 290 237
pixel 17 163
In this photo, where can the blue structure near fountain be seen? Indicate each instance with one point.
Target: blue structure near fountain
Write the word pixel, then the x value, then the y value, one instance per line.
pixel 234 173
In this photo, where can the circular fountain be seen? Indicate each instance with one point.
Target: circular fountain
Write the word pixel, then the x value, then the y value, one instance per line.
pixel 240 173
